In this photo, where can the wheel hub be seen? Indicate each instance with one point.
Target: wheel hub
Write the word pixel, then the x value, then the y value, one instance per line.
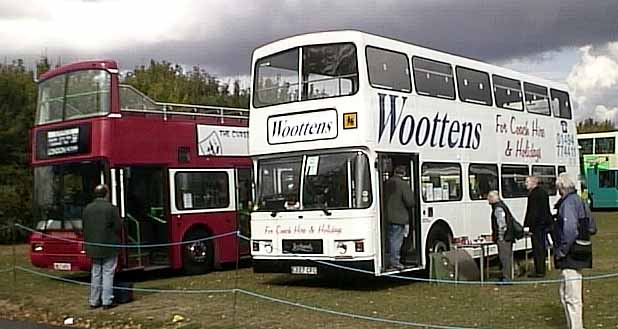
pixel 198 251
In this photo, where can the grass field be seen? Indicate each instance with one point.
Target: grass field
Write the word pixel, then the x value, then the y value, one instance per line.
pixel 531 306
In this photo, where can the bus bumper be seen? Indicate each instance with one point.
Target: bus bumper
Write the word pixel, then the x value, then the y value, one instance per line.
pixel 323 266
pixel 61 262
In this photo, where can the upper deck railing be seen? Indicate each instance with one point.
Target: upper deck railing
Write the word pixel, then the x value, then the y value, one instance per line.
pixel 133 100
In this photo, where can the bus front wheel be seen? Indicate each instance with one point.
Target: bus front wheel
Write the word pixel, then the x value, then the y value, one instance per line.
pixel 197 253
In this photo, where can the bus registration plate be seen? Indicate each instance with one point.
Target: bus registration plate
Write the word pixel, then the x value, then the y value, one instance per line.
pixel 62 266
pixel 307 270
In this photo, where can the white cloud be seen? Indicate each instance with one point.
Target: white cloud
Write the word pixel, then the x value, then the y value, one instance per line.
pixel 593 82
pixel 92 26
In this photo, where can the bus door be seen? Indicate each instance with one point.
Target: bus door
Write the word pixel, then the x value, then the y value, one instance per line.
pixel 244 202
pixel 411 246
pixel 145 219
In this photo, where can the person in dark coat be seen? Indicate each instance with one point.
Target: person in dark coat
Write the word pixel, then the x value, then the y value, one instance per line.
pixel 399 204
pixel 502 233
pixel 101 225
pixel 571 209
pixel 538 220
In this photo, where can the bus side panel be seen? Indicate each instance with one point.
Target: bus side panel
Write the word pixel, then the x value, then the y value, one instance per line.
pixel 215 223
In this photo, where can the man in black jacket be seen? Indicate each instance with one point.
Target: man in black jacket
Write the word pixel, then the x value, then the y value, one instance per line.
pixel 538 220
pixel 399 203
pixel 101 225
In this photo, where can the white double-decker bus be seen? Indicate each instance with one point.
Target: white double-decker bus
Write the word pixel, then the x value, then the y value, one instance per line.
pixel 333 113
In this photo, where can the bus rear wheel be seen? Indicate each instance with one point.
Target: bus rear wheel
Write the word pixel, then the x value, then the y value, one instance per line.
pixel 197 254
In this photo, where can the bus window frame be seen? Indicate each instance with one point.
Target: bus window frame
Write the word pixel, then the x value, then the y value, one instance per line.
pixel 300 71
pixel 489 84
pixel 455 91
pixel 501 178
pixel 304 156
pixel 483 164
pixel 461 181
pixel 552 185
pixel 65 76
pixel 609 138
pixel 568 96
pixel 412 85
pixel 523 101
pixel 173 188
pixel 547 99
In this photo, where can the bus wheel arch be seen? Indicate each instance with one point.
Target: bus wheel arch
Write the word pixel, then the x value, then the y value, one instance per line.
pixel 198 255
pixel 439 238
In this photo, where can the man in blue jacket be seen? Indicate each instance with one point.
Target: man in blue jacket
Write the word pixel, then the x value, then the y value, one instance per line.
pixel 571 209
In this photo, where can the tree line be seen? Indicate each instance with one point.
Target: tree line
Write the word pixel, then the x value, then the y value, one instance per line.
pixel 160 80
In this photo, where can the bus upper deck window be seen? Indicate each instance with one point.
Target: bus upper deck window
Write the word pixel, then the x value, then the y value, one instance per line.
pixel 433 78
pixel 388 69
pixel 329 70
pixel 536 99
pixel 473 86
pixel 507 93
pixel 560 104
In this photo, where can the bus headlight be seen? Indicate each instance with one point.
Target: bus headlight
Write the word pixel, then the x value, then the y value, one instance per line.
pixel 262 245
pixel 37 247
pixel 359 246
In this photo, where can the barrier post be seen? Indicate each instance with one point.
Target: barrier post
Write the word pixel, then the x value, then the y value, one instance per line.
pixel 13 242
pixel 235 290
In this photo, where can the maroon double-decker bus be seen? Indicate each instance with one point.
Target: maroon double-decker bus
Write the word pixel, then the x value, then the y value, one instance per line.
pixel 176 172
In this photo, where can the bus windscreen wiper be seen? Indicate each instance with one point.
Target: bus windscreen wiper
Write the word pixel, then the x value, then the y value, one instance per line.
pixel 326 212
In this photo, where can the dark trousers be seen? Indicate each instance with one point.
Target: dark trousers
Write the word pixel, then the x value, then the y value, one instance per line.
pixel 539 250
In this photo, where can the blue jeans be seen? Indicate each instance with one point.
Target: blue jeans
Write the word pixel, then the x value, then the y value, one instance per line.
pixel 102 282
pixel 395 241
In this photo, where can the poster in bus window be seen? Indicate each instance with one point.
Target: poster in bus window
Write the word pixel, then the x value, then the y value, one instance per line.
pixel 187 200
pixel 312 165
pixel 445 190
pixel 437 193
pixel 428 191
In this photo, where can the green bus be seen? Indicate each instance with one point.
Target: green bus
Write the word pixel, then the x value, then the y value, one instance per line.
pixel 599 166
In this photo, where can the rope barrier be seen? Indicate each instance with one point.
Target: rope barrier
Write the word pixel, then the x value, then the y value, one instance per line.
pixel 349 315
pixel 409 278
pixel 153 290
pixel 155 245
pixel 520 282
pixel 252 294
pixel 395 276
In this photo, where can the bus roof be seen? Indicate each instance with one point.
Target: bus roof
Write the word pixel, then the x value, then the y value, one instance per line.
pixel 608 133
pixel 107 64
pixel 365 37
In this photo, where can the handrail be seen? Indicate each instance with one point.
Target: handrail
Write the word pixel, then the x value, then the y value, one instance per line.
pixel 187 113
pixel 190 109
pixel 138 238
pixel 155 218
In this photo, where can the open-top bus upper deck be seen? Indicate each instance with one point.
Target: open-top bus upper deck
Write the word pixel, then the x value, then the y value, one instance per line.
pixel 175 171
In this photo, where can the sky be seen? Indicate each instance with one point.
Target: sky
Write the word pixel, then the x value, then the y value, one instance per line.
pixel 571 41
